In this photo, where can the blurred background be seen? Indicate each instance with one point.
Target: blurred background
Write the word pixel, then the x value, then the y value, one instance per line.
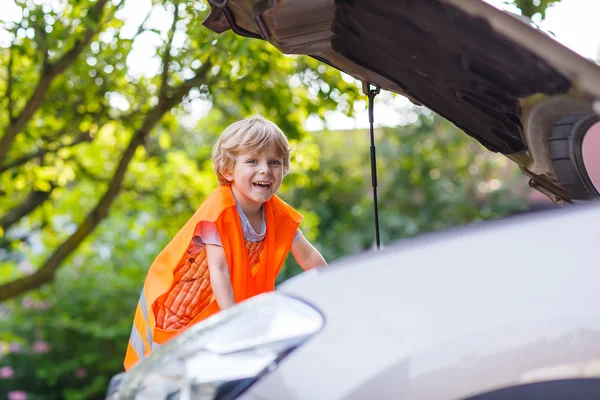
pixel 108 114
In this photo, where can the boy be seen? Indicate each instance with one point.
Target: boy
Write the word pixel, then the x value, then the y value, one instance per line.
pixel 234 245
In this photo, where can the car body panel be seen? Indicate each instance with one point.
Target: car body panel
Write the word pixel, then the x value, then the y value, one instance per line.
pixel 437 317
pixel 481 68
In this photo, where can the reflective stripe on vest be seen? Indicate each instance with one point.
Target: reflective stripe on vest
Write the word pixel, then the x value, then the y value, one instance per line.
pixel 144 307
pixel 141 323
pixel 136 342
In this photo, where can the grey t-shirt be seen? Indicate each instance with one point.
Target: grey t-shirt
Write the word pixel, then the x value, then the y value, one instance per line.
pixel 207 231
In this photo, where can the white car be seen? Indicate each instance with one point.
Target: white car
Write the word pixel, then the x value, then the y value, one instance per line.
pixel 503 310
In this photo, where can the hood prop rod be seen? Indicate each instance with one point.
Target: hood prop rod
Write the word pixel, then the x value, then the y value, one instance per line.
pixel 371 91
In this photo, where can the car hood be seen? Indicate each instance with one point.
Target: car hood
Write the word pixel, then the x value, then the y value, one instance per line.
pixel 487 71
pixel 450 314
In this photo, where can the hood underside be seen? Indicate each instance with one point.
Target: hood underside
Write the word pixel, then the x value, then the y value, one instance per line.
pixel 444 63
pixel 477 66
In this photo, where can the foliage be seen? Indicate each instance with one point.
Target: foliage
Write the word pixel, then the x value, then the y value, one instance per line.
pixel 69 342
pixel 531 8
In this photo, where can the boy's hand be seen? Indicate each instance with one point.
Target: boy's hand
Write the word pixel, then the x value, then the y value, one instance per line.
pixel 306 255
pixel 220 279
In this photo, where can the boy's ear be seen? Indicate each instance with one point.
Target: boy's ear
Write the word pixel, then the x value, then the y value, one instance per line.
pixel 228 175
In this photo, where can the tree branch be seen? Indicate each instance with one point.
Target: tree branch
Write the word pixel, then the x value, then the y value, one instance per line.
pixel 199 76
pixel 84 137
pixel 9 85
pixel 47 75
pixel 33 200
pixel 140 28
pixel 166 59
pixel 143 192
pixel 47 271
pixel 42 40
pixel 68 58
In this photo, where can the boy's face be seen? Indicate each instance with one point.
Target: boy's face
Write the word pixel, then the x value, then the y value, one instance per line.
pixel 256 177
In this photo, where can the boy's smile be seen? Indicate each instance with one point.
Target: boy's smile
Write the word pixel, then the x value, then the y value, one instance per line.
pixel 255 178
pixel 262 185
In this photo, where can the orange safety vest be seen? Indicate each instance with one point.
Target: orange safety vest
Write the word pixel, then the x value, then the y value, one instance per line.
pixel 282 222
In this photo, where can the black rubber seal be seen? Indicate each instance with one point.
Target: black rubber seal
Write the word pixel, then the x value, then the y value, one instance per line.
pixel 566 153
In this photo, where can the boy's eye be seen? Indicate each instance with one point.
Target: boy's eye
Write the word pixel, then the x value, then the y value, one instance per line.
pixel 251 161
pixel 275 162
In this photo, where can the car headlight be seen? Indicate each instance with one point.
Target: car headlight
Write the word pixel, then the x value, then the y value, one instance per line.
pixel 222 356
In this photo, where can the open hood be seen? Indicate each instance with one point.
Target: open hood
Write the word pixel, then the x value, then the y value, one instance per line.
pixel 495 76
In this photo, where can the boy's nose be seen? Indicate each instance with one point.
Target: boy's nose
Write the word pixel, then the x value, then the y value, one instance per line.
pixel 264 168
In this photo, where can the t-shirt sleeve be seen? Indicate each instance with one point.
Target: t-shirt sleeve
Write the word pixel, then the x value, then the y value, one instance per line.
pixel 298 235
pixel 206 233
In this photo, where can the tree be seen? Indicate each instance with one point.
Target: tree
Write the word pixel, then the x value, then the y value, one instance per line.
pixel 531 8
pixel 81 127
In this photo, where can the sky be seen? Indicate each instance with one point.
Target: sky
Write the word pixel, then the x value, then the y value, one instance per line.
pixel 573 22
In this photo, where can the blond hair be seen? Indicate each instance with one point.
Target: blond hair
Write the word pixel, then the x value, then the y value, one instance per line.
pixel 253 134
